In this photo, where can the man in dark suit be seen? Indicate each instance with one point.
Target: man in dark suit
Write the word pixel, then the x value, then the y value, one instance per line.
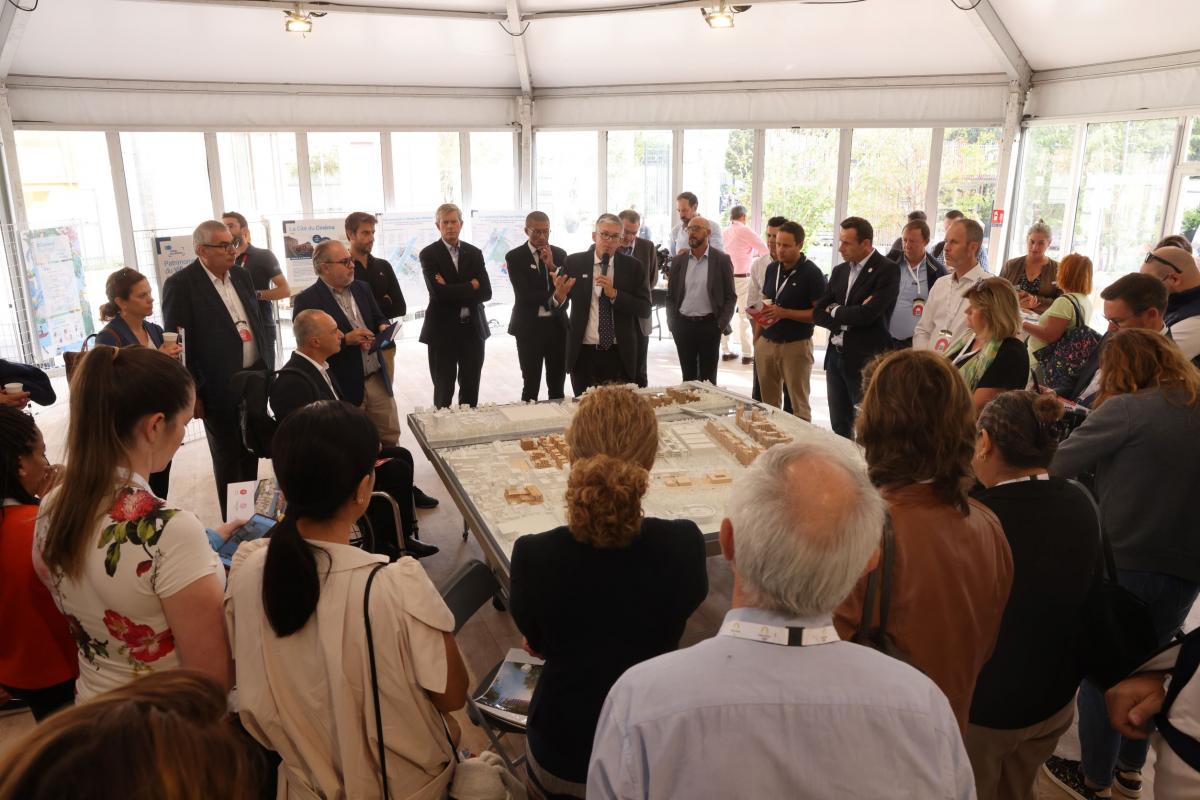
pixel 455 327
pixel 854 308
pixel 358 368
pixel 607 292
pixel 644 251
pixel 538 325
pixel 700 303
pixel 305 379
pixel 213 308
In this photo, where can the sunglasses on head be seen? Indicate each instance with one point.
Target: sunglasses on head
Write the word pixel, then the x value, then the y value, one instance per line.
pixel 1151 257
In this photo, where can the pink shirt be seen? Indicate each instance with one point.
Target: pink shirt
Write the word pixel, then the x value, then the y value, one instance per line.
pixel 742 245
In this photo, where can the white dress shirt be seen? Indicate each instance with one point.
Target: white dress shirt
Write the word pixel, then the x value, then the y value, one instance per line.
pixel 322 368
pixel 944 308
pixel 696 302
pixel 732 717
pixel 591 332
pixel 679 237
pixel 237 315
pixel 758 271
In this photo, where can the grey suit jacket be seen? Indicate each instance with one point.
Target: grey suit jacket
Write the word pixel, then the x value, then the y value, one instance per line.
pixel 721 294
pixel 645 252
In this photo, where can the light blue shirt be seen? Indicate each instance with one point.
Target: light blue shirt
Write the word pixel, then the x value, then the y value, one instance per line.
pixel 737 718
pixel 903 323
pixel 695 287
pixel 679 237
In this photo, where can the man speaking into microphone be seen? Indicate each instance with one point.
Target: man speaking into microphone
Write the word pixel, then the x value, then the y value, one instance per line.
pixel 607 295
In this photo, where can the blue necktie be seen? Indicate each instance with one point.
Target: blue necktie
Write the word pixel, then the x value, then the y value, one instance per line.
pixel 606 330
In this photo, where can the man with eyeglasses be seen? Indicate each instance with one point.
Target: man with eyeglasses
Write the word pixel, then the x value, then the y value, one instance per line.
pixel 632 244
pixel 700 302
pixel 607 293
pixel 1178 271
pixel 214 310
pixel 537 323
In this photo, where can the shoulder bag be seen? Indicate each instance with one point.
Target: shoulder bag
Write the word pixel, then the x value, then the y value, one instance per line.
pixel 880 581
pixel 1061 362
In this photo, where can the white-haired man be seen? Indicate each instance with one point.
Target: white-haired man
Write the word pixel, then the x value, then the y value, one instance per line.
pixel 775 705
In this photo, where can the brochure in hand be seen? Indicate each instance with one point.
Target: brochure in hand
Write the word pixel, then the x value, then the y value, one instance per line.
pixel 508 696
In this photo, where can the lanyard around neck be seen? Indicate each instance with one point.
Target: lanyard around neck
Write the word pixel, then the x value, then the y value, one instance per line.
pixel 788 636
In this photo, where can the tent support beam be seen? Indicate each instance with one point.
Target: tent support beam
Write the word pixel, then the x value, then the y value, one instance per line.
pixel 519 52
pixel 992 28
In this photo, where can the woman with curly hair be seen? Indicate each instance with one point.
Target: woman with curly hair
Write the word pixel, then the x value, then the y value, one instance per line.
pixel 950 567
pixel 608 590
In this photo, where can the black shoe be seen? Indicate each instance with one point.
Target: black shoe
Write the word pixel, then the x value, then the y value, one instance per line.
pixel 728 356
pixel 422 500
pixel 747 360
pixel 418 549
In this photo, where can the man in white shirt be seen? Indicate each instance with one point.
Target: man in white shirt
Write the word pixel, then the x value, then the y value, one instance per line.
pixel 776 705
pixel 687 205
pixel 943 319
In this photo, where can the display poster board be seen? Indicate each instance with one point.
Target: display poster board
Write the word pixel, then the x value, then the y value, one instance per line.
pixel 171 254
pixel 399 239
pixel 495 233
pixel 54 278
pixel 300 238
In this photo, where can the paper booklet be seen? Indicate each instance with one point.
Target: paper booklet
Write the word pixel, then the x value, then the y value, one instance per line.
pixel 507 697
pixel 247 498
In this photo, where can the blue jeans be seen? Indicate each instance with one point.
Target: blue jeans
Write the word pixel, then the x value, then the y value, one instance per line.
pixel 1169 598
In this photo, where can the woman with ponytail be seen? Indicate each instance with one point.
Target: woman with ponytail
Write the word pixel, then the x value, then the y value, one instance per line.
pixel 605 592
pixel 295 616
pixel 138 581
pixel 1023 699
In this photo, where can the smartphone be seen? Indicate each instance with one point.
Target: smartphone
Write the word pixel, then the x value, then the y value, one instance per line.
pixel 256 527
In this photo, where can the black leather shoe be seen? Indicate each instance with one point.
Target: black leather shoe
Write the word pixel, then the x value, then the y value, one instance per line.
pixel 418 549
pixel 422 500
pixel 728 356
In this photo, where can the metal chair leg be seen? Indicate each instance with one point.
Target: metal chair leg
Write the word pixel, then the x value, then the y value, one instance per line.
pixel 466 530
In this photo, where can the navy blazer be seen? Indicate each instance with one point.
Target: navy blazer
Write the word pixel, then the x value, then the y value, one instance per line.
pixel 864 311
pixel 117 333
pixel 721 294
pixel 446 300
pixel 631 303
pixel 298 384
pixel 346 366
pixel 212 347
pixel 532 287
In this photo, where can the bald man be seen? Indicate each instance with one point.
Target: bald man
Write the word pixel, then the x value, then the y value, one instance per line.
pixel 1178 271
pixel 700 302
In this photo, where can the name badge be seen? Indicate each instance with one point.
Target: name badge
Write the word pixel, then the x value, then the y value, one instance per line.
pixel 942 342
pixel 243 331
pixel 918 306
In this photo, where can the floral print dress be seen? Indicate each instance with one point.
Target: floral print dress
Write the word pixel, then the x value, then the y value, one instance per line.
pixel 140 552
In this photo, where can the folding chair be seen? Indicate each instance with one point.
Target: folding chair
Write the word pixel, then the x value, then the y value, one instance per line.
pixel 368 539
pixel 472 585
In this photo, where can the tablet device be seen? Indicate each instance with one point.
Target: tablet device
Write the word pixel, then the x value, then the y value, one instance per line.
pixel 256 527
pixel 384 337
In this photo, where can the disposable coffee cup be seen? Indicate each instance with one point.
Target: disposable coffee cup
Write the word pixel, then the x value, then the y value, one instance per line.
pixel 170 338
pixel 14 388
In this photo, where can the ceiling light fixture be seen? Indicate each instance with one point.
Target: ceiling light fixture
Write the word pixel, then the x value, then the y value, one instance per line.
pixel 297 20
pixel 721 16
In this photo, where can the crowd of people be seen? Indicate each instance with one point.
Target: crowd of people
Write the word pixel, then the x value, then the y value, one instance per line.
pixel 916 613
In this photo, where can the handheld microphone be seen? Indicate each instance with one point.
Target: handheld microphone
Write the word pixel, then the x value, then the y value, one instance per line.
pixel 604 264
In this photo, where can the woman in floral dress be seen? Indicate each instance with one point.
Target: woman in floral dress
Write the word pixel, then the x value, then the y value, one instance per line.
pixel 139 582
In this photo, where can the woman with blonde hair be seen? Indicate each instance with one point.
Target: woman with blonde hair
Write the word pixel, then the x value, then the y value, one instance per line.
pixel 1070 310
pixel 988 354
pixel 608 590
pixel 1034 273
pixel 1141 440
pixel 949 569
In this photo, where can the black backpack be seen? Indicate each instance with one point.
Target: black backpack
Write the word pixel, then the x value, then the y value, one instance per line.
pixel 253 388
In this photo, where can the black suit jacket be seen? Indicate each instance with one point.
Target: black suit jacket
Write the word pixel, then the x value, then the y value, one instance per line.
pixel 645 252
pixel 346 366
pixel 445 300
pixel 865 311
pixel 296 385
pixel 632 301
pixel 721 294
pixel 533 288
pixel 36 382
pixel 212 347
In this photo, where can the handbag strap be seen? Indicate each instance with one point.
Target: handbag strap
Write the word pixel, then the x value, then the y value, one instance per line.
pixel 1110 563
pixel 880 580
pixel 375 675
pixel 1079 321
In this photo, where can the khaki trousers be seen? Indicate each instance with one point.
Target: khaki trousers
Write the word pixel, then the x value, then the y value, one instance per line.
pixel 1006 762
pixel 777 363
pixel 381 408
pixel 740 322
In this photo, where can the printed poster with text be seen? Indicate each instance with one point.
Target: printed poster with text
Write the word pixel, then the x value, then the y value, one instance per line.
pixel 62 319
pixel 300 238
pixel 495 233
pixel 171 254
pixel 399 239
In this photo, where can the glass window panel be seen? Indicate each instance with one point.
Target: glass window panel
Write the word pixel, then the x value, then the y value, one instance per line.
pixel 1193 146
pixel 566 172
pixel 426 170
pixel 800 169
pixel 167 177
pixel 67 180
pixel 639 177
pixel 493 172
pixel 347 172
pixel 1122 191
pixel 1045 186
pixel 970 160
pixel 889 172
pixel 717 168
pixel 1187 214
pixel 259 180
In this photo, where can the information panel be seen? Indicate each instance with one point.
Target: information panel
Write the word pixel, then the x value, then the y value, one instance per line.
pixel 54 279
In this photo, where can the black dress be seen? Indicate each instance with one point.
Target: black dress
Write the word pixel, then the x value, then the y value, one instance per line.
pixel 592 614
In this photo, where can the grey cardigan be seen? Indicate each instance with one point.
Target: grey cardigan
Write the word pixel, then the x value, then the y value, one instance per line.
pixel 1144 449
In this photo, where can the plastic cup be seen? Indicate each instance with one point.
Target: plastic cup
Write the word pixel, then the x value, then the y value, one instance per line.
pixel 170 338
pixel 14 388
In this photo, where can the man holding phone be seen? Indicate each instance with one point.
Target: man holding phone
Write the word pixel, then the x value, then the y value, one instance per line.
pixel 538 323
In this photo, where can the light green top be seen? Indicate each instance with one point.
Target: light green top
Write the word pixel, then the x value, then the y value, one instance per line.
pixel 1062 309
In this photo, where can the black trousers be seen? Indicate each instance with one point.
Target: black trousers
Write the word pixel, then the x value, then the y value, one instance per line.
pixel 546 345
pixel 396 478
pixel 845 392
pixel 45 701
pixel 232 462
pixel 595 367
pixel 698 342
pixel 459 359
pixel 643 344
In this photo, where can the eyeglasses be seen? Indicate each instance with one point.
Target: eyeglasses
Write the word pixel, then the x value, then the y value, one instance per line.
pixel 1151 257
pixel 224 247
pixel 1117 324
pixel 345 262
pixel 609 237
